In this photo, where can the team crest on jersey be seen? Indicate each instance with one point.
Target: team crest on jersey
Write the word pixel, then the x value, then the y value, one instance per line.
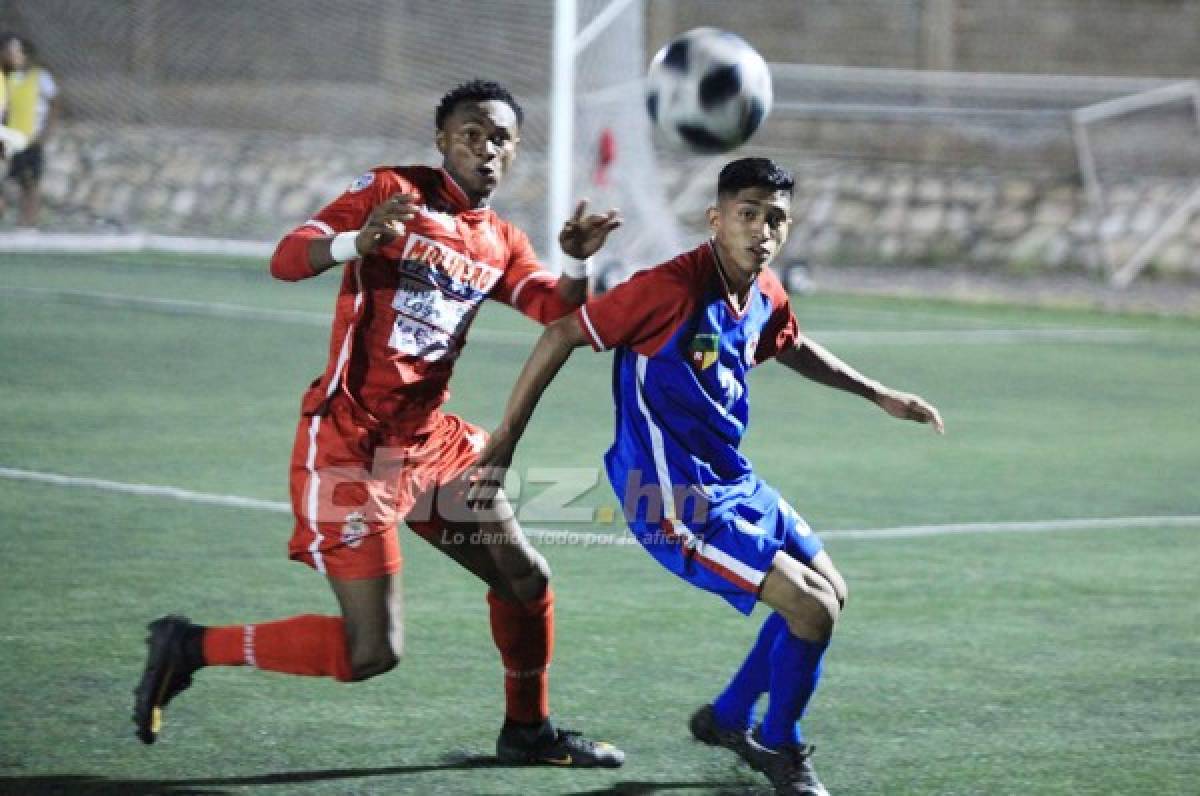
pixel 362 182
pixel 354 530
pixel 703 350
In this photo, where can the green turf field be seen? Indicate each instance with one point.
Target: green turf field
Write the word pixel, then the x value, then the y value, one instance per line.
pixel 1055 661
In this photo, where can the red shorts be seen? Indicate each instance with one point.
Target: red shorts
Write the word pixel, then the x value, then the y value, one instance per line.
pixel 351 482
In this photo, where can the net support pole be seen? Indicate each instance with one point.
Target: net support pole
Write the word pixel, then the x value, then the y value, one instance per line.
pixel 562 123
pixel 1173 224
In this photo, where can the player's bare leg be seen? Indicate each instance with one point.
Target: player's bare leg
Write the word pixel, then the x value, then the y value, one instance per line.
pixel 491 545
pixel 30 203
pixel 373 612
pixel 366 640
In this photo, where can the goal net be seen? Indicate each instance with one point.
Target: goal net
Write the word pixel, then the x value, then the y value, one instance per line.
pixel 1139 157
pixel 237 120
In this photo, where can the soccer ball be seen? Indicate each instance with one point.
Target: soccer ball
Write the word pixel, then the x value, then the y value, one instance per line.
pixel 708 90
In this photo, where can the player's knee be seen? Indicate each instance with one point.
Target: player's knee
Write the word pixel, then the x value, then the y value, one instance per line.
pixel 529 585
pixel 811 614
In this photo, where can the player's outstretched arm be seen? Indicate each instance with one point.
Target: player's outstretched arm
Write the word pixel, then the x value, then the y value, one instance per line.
pixel 552 350
pixel 582 235
pixel 815 362
pixel 305 252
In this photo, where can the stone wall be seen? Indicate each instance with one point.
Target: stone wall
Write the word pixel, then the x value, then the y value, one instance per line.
pixel 213 183
pixel 903 214
pixel 257 186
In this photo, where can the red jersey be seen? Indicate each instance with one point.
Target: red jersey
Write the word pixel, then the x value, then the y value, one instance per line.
pixel 403 313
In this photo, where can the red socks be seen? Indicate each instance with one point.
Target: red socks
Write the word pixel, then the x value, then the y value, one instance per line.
pixel 309 645
pixel 316 646
pixel 524 634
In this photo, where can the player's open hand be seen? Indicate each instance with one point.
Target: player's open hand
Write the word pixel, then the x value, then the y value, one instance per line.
pixel 584 233
pixel 907 406
pixel 386 222
pixel 487 476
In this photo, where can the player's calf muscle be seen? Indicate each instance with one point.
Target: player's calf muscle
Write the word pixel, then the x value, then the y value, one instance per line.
pixel 372 655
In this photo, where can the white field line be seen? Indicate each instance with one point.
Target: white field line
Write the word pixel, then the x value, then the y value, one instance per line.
pixel 587 538
pixel 36 241
pixel 167 306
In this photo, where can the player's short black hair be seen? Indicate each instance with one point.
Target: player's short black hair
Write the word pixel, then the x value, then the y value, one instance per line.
pixel 754 172
pixel 476 91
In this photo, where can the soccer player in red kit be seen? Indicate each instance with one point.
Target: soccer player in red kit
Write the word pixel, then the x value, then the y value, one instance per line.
pixel 422 249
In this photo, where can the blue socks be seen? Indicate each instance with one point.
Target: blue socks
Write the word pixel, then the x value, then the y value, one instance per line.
pixel 781 665
pixel 795 672
pixel 734 708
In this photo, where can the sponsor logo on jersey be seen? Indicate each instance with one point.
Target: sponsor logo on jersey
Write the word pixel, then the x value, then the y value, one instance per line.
pixel 354 530
pixel 362 182
pixel 703 350
pixel 480 276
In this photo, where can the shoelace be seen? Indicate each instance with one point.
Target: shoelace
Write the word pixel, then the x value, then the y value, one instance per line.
pixel 575 738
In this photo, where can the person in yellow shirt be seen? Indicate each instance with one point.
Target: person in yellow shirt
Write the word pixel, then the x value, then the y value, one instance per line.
pixel 31 113
pixel 11 141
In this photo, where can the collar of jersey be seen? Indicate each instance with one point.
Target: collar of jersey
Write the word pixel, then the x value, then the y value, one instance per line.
pixel 723 285
pixel 457 199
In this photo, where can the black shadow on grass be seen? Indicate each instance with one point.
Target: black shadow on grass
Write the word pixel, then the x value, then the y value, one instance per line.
pixel 211 786
pixel 87 784
pixel 644 788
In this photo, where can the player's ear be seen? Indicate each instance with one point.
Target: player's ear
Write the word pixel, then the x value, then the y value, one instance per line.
pixel 440 139
pixel 713 216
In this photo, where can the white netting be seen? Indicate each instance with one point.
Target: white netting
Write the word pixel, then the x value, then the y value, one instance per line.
pixel 235 119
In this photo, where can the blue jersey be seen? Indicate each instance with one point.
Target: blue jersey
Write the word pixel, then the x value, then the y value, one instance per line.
pixel 682 354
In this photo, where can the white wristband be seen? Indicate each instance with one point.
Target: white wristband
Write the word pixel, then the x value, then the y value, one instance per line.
pixel 576 269
pixel 343 247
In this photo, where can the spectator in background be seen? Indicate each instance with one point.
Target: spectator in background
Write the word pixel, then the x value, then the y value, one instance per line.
pixel 32 111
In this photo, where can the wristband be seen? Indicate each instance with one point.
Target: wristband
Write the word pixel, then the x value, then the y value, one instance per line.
pixel 343 247
pixel 576 269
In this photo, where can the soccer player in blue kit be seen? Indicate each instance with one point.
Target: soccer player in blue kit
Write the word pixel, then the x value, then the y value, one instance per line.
pixel 685 334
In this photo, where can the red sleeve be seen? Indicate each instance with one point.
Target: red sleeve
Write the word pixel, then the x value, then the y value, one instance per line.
pixel 346 213
pixel 782 329
pixel 644 311
pixel 526 286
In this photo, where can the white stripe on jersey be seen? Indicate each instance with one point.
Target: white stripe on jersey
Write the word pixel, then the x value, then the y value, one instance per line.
pixel 657 442
pixel 314 480
pixel 314 485
pixel 520 285
pixel 583 313
pixel 321 225
pixel 718 556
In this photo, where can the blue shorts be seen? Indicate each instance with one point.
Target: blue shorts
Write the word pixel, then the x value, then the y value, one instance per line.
pixel 731 550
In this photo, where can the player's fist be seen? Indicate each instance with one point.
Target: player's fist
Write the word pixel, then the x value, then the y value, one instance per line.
pixel 583 234
pixel 907 406
pixel 386 222
pixel 487 476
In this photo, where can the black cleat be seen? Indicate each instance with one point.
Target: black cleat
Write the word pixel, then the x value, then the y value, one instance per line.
pixel 705 729
pixel 170 660
pixel 789 768
pixel 550 746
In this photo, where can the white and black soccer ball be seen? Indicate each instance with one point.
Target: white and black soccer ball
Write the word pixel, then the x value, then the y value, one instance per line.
pixel 707 90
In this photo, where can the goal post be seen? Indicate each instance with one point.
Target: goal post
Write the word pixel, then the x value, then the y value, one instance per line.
pixel 1175 111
